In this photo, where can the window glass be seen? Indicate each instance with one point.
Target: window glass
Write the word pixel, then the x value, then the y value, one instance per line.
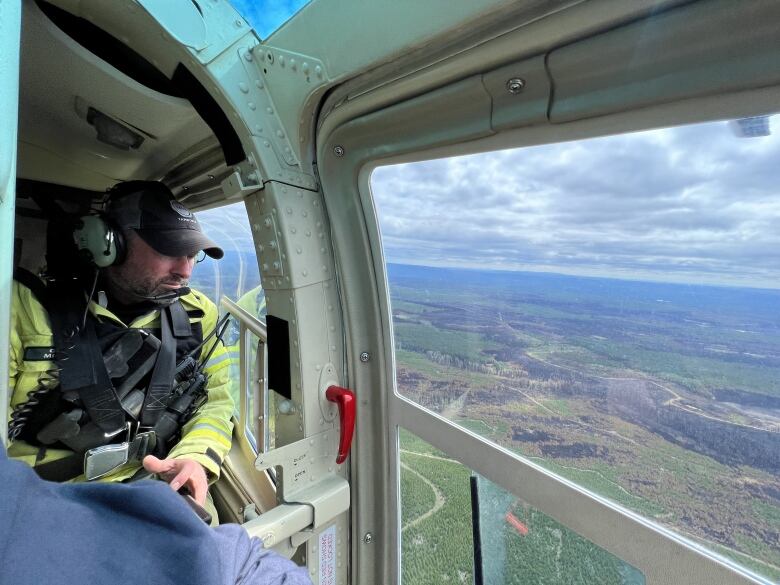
pixel 520 545
pixel 236 276
pixel 516 544
pixel 261 416
pixel 436 529
pixel 610 309
pixel 267 15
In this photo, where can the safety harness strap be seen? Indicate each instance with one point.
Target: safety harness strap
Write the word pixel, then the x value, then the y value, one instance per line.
pixel 69 340
pixel 161 381
pixel 100 399
pixel 180 321
pixel 79 358
pixel 35 284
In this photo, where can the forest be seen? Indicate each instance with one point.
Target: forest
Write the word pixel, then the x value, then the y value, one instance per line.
pixel 664 398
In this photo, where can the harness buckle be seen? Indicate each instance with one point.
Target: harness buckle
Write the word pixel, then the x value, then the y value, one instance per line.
pixel 101 461
pixel 143 444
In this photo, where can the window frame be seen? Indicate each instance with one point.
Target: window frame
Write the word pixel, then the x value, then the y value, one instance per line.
pixel 409 131
pixel 661 554
pixel 253 440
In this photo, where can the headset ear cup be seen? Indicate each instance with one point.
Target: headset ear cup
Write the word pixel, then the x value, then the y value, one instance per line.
pixel 99 241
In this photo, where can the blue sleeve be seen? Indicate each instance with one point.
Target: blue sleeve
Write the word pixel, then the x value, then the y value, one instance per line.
pixel 254 564
pixel 121 534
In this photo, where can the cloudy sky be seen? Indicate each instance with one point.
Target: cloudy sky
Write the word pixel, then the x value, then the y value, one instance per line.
pixel 690 204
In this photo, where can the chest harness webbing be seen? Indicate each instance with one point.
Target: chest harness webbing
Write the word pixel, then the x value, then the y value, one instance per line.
pixel 86 412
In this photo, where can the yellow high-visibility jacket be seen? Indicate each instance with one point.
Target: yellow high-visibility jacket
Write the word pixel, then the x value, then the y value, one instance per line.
pixel 205 438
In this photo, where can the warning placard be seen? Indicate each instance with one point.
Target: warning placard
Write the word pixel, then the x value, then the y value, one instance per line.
pixel 328 556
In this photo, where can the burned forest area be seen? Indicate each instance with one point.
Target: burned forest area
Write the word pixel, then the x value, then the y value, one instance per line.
pixel 664 398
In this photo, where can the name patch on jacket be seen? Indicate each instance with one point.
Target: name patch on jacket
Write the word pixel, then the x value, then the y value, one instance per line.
pixel 38 354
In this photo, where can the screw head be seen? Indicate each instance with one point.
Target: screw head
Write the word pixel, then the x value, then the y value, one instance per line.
pixel 368 538
pixel 515 85
pixel 365 356
pixel 338 150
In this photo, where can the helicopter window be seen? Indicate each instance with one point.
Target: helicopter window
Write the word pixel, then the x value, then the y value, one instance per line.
pixel 515 543
pixel 607 309
pixel 266 17
pixel 237 277
pixel 261 403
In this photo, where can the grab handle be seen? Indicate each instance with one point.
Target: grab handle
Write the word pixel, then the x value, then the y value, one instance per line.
pixel 345 399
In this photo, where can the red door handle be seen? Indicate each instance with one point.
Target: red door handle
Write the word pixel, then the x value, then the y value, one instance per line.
pixel 345 399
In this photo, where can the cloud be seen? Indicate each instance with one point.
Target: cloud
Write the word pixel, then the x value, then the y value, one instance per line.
pixel 695 203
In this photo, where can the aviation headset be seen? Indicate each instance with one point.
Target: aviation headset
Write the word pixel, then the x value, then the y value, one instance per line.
pixel 146 206
pixel 99 239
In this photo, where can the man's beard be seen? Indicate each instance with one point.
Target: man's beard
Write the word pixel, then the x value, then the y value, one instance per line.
pixel 144 290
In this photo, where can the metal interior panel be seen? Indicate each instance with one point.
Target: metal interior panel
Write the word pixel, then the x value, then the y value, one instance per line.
pixel 521 93
pixel 701 49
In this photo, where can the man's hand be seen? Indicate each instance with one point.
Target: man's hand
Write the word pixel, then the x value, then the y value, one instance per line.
pixel 180 473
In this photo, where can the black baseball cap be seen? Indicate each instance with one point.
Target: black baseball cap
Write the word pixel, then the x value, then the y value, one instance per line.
pixel 150 209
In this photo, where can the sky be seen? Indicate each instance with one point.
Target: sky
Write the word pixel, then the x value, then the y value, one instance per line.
pixel 266 16
pixel 689 204
pixel 694 204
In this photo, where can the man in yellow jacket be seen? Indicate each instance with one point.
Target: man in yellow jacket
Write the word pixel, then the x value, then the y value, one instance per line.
pixel 102 390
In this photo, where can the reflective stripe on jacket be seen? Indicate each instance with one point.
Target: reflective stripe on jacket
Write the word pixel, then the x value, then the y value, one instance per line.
pixel 205 438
